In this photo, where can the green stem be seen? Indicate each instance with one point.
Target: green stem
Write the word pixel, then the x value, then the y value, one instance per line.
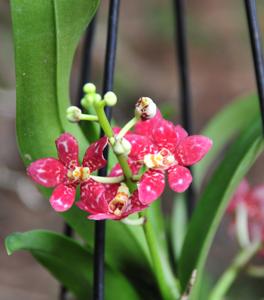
pixel 102 179
pixel 164 276
pixel 127 127
pixel 134 222
pixel 99 109
pixel 242 226
pixel 229 276
pixel 86 117
pixel 256 271
pixel 122 159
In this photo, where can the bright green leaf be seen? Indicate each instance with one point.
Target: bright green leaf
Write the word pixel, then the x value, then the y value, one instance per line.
pixel 70 263
pixel 178 224
pixel 221 129
pixel 46 34
pixel 214 200
pixel 234 118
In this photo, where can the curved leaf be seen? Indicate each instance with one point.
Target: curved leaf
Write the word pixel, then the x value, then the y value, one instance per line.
pixel 46 34
pixel 70 263
pixel 213 202
pixel 225 125
pixel 220 129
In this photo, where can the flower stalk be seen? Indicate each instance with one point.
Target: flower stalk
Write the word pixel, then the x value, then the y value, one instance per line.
pixel 107 180
pixel 127 127
pixel 230 275
pixel 164 276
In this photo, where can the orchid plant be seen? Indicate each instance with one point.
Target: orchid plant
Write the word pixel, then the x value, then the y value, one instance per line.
pixel 149 254
pixel 156 146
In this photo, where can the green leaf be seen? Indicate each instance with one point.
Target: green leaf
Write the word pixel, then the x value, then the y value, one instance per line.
pixel 213 202
pixel 221 129
pixel 46 34
pixel 234 118
pixel 70 263
pixel 178 224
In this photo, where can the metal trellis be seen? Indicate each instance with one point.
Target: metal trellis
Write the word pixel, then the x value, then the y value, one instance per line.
pixel 113 16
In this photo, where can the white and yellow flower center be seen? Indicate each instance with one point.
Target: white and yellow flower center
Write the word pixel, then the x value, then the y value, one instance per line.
pixel 79 173
pixel 120 201
pixel 161 160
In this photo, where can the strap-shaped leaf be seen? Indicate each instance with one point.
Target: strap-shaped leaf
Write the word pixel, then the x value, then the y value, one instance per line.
pixel 70 263
pixel 229 122
pixel 220 129
pixel 46 34
pixel 214 200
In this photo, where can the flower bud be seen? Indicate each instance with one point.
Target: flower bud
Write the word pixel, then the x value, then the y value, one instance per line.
pixel 145 108
pixel 89 88
pixel 110 99
pixel 73 114
pixel 122 146
pixel 87 101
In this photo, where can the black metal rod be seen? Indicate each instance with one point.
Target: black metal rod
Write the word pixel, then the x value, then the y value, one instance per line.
pixel 99 247
pixel 67 230
pixel 255 40
pixel 86 65
pixel 185 91
pixel 84 77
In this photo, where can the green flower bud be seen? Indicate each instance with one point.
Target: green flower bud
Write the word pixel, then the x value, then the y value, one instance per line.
pixel 89 88
pixel 122 146
pixel 110 99
pixel 73 114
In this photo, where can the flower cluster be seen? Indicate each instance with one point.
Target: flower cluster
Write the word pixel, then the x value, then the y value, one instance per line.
pixel 251 200
pixel 155 148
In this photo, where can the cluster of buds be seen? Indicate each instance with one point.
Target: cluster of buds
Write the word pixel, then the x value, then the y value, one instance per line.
pixel 145 154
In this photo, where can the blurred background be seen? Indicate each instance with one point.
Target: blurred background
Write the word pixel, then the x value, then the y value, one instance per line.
pixel 221 70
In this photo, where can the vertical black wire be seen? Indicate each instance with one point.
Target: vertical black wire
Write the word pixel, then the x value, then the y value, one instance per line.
pixel 67 230
pixel 98 288
pixel 185 91
pixel 257 52
pixel 86 64
pixel 84 77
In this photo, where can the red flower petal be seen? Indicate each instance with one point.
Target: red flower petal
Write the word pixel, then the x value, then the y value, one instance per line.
pixel 141 145
pixel 117 171
pixel 135 206
pixel 145 127
pixel 151 186
pixel 192 149
pixel 93 197
pixel 166 135
pixel 239 196
pixel 110 191
pixel 62 197
pixel 102 216
pixel 179 178
pixel 94 158
pixel 180 132
pixel 48 172
pixel 67 147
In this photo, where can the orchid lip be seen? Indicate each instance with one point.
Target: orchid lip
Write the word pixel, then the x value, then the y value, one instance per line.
pixel 118 205
pixel 79 174
pixel 162 160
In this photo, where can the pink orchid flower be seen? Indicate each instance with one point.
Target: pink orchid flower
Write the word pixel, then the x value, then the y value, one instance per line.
pixel 165 147
pixel 253 200
pixel 110 201
pixel 66 173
